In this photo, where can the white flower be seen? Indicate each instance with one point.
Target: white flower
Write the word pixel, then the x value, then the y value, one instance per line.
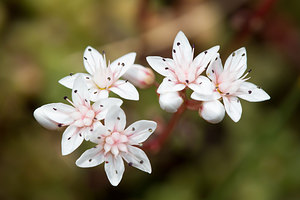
pixel 181 71
pixel 102 79
pixel 212 111
pixel 81 118
pixel 140 76
pixel 230 84
pixel 170 101
pixel 115 143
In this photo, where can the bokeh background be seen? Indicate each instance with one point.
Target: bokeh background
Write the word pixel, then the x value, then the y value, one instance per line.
pixel 257 158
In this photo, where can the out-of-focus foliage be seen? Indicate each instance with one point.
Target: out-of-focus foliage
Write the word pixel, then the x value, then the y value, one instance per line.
pixel 256 158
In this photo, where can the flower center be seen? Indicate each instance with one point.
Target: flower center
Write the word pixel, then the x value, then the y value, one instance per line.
pixel 115 143
pixel 84 116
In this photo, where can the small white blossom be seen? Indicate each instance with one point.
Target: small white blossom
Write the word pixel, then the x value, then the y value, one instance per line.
pixel 212 111
pixel 140 76
pixel 115 143
pixel 230 84
pixel 170 101
pixel 182 71
pixel 81 118
pixel 102 78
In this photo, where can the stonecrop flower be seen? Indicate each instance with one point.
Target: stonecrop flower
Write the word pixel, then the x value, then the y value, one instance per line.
pixel 103 78
pixel 81 118
pixel 182 71
pixel 230 84
pixel 115 143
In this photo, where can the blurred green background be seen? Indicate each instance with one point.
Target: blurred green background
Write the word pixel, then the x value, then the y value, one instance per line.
pixel 257 158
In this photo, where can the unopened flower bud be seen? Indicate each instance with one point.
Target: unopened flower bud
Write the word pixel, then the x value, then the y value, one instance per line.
pixel 212 111
pixel 170 101
pixel 140 76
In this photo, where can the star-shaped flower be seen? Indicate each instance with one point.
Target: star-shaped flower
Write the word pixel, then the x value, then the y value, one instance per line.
pixel 115 143
pixel 104 78
pixel 81 118
pixel 230 84
pixel 182 71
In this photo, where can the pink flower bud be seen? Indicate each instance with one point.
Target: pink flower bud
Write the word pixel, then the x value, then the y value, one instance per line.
pixel 212 111
pixel 170 101
pixel 140 76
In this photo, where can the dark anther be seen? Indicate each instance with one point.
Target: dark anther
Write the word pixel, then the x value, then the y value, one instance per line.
pixel 103 52
pixel 130 164
pixel 80 134
pixel 169 79
pixel 213 71
pixel 258 87
pixel 227 93
pixel 99 137
pixel 109 130
pixel 178 43
pixel 174 50
pixel 108 78
pixel 85 58
pixel 55 109
pixel 126 81
pixel 95 92
pixel 249 70
pixel 90 160
pixel 216 58
pixel 200 83
pixel 233 54
pixel 249 91
pixel 85 100
pixel 106 161
pixel 150 130
pixel 87 77
pixel 101 105
pixel 205 52
pixel 123 64
pixel 133 129
pixel 164 59
pixel 166 68
pixel 141 161
pixel 243 54
pixel 238 100
pixel 118 118
pixel 75 91
pixel 118 63
pixel 90 49
pixel 116 172
pixel 91 129
pixel 59 125
pixel 71 74
pixel 69 138
pixel 187 81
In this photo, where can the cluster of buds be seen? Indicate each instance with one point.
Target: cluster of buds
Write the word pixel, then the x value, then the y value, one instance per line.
pixel 94 116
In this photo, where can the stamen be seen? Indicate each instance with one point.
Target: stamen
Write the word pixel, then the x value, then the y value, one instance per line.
pixel 68 100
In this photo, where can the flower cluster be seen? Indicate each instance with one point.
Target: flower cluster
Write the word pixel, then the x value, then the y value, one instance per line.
pixel 228 83
pixel 94 116
pixel 102 122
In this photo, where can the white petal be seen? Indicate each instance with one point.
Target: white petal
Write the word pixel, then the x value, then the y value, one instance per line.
pixel 80 93
pixel 114 168
pixel 237 62
pixel 160 65
pixel 71 139
pixel 170 85
pixel 125 90
pixel 96 135
pixel 93 60
pixel 68 81
pixel 182 51
pixel 139 131
pixel 102 106
pixel 122 64
pixel 202 60
pixel 170 101
pixel 115 119
pixel 215 69
pixel 204 90
pixel 91 157
pixel 97 94
pixel 252 93
pixel 212 111
pixel 137 158
pixel 54 113
pixel 233 108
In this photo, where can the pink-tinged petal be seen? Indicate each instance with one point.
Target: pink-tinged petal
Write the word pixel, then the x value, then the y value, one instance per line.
pixel 170 85
pixel 114 168
pixel 250 92
pixel 204 89
pixel 125 90
pixel 44 120
pixel 140 76
pixel 182 51
pixel 57 113
pixel 203 59
pixel 139 131
pixel 122 64
pixel 170 101
pixel 137 158
pixel 68 81
pixel 233 107
pixel 80 93
pixel 115 119
pixel 98 94
pixel 212 111
pixel 102 106
pixel 93 60
pixel 71 139
pixel 91 157
pixel 215 69
pixel 237 62
pixel 163 66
